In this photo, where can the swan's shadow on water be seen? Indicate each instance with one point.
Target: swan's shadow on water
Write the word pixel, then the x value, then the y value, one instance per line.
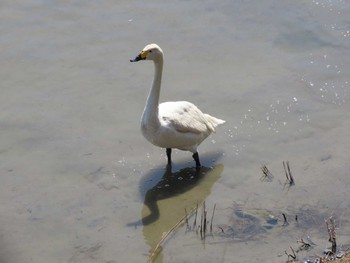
pixel 162 183
pixel 170 185
pixel 168 192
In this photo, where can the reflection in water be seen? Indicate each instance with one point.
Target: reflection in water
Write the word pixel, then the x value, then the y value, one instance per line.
pixel 165 203
pixel 171 185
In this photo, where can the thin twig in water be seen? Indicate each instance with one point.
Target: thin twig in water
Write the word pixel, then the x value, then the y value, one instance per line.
pixel 285 170
pixel 203 221
pixel 186 219
pixel 285 222
pixel 267 174
pixel 201 225
pixel 154 253
pixel 304 245
pixel 157 248
pixel 294 257
pixel 195 219
pixel 211 221
pixel 289 176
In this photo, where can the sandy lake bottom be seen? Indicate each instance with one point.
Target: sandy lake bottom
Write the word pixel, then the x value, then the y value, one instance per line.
pixel 79 183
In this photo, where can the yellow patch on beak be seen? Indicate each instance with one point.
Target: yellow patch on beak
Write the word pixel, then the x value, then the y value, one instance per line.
pixel 143 54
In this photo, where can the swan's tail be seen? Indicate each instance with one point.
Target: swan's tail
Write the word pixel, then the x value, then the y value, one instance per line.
pixel 213 122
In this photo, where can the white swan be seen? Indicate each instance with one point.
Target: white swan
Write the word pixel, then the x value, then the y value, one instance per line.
pixel 178 124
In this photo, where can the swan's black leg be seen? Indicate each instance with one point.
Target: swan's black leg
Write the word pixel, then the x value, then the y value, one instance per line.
pixel 168 154
pixel 196 158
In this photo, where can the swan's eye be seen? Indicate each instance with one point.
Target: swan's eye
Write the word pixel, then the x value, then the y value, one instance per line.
pixel 150 51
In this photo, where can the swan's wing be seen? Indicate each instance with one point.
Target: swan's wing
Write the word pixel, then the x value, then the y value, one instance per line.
pixel 183 116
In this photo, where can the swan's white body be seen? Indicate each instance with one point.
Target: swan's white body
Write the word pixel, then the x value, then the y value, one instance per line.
pixel 178 124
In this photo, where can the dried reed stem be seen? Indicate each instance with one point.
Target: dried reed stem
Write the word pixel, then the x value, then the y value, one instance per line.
pixel 331 232
pixel 155 252
pixel 211 221
pixel 288 173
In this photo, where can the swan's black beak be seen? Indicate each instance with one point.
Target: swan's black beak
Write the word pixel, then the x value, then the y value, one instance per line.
pixel 138 58
pixel 141 56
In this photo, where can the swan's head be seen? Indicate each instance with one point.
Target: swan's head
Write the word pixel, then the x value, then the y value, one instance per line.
pixel 150 52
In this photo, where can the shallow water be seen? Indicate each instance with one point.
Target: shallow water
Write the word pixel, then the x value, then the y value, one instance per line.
pixel 75 170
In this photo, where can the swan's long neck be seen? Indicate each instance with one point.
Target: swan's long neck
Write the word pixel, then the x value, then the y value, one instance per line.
pixel 150 113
